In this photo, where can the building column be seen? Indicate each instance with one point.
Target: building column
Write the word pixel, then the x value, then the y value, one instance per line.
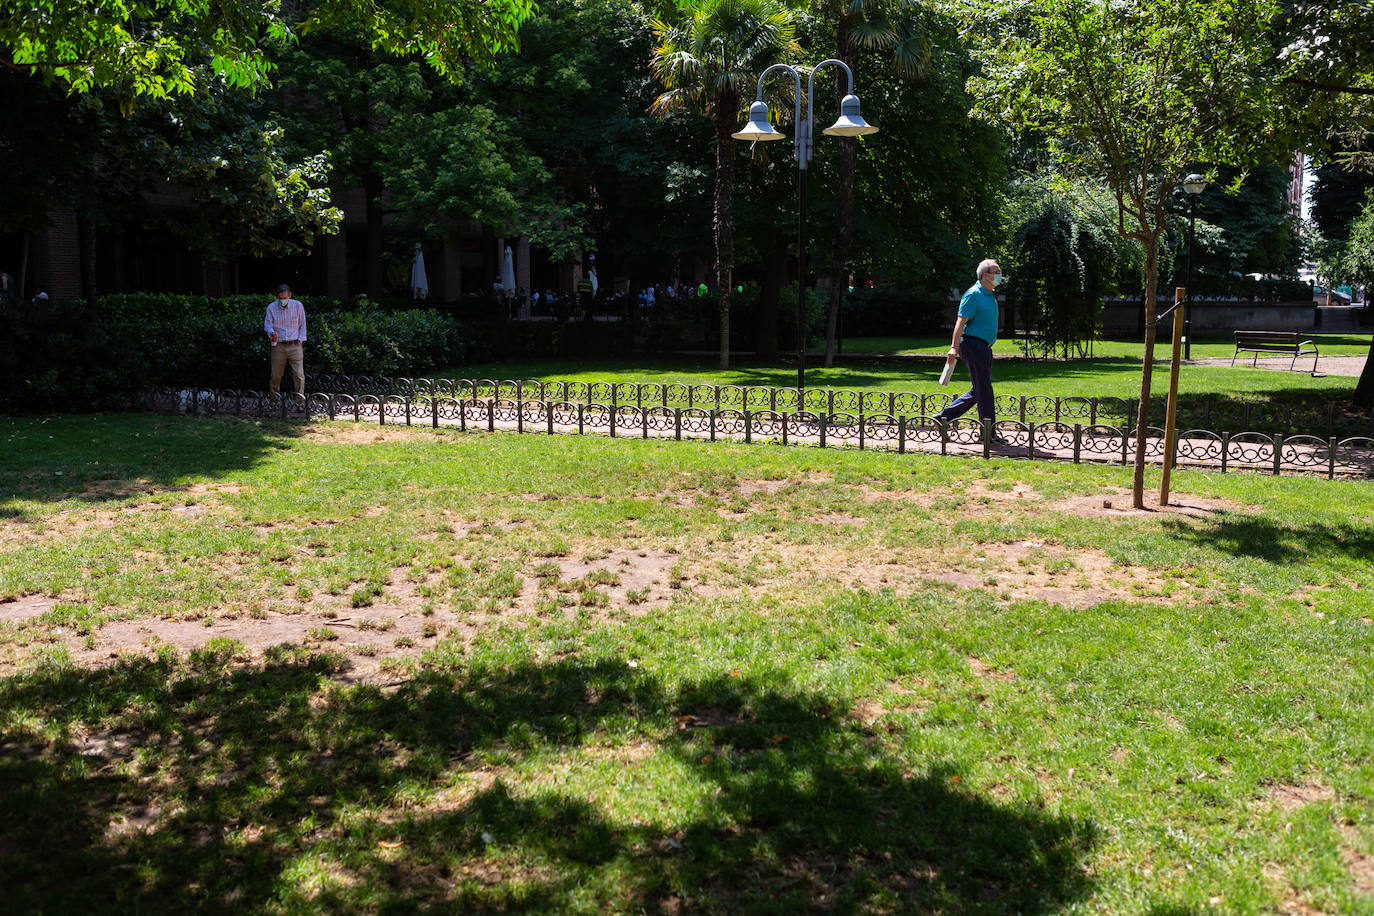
pixel 55 260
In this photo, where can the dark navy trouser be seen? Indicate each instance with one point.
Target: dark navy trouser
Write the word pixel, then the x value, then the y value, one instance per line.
pixel 977 356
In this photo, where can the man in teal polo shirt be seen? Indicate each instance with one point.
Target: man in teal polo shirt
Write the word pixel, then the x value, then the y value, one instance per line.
pixel 975 331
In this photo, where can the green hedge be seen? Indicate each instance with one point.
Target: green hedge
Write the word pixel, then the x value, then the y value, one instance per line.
pixel 54 358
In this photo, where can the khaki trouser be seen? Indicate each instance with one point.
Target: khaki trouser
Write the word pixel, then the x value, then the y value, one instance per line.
pixel 282 354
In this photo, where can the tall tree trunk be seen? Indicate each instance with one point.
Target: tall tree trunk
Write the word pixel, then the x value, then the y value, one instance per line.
pixel 1364 389
pixel 723 219
pixel 844 200
pixel 1146 371
pixel 372 268
pixel 85 233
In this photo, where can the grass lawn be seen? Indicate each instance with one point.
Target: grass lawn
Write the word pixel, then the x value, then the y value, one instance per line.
pixel 265 668
pixel 1203 347
pixel 1113 372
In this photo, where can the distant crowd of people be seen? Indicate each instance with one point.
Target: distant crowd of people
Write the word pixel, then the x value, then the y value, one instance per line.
pixel 602 302
pixel 9 290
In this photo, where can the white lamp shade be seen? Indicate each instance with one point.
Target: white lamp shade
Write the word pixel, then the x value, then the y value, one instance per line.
pixel 850 122
pixel 759 127
pixel 1194 184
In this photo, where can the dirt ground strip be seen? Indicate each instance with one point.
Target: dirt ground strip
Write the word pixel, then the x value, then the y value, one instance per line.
pixel 601 581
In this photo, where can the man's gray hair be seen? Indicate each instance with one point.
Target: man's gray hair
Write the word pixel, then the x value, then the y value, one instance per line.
pixel 983 267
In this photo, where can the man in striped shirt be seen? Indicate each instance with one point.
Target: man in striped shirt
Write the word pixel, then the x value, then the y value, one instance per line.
pixel 285 327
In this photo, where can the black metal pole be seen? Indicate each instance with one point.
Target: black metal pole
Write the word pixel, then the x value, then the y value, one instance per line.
pixel 801 284
pixel 1188 294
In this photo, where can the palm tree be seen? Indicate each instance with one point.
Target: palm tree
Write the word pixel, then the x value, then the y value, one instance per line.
pixel 893 27
pixel 707 61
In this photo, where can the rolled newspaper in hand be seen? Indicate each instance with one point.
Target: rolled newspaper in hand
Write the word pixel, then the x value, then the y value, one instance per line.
pixel 948 372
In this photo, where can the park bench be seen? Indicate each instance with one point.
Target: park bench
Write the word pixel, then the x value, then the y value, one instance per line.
pixel 1283 342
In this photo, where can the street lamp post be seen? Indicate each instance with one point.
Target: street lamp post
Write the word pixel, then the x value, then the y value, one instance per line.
pixel 1194 184
pixel 849 124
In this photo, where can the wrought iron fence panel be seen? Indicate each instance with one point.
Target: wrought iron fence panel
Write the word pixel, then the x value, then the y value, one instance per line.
pixel 1356 454
pixel 1154 442
pixel 731 396
pixel 660 419
pixel 729 422
pixel 803 423
pixel 906 404
pixel 1054 435
pixel 922 429
pixel 564 413
pixel 766 422
pixel 1013 431
pixel 625 393
pixel 880 427
pixel 504 410
pixel 532 411
pixel 788 400
pixel 1113 408
pixel 597 416
pixel 842 426
pixel 1250 448
pixel 760 397
pixel 845 401
pixel 1305 452
pixel 626 416
pixel 507 390
pixel 320 405
pixel 475 410
pixel 702 396
pixel 448 407
pixel 1076 408
pixel 875 402
pixel 369 405
pixel 1007 405
pixel 1198 445
pixel 964 431
pixel 652 394
pixel 814 400
pixel 677 394
pixel 1042 407
pixel 696 419
pixel 396 406
pixel 1099 439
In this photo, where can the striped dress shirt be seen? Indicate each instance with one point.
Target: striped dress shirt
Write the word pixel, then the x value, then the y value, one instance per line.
pixel 287 323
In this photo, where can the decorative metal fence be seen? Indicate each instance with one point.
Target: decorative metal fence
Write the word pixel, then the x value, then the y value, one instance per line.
pixel 1074 429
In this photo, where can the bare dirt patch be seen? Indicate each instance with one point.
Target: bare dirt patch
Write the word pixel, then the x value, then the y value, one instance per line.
pixel 26 608
pixel 988 672
pixel 1117 504
pixel 351 433
pixel 1361 868
pixel 1288 797
pixel 629 580
pixel 1072 577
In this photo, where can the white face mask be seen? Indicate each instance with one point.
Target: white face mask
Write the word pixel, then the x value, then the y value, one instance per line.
pixel 997 280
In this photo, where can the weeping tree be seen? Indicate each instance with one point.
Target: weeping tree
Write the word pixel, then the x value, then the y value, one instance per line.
pixel 1134 94
pixel 707 60
pixel 1065 263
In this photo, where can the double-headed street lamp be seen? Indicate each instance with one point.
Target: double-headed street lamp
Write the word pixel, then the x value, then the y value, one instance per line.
pixel 1194 184
pixel 849 124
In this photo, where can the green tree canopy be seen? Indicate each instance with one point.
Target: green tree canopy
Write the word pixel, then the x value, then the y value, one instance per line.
pixel 157 47
pixel 1134 94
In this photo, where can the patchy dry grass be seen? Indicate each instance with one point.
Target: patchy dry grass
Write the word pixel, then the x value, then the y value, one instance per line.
pixel 253 667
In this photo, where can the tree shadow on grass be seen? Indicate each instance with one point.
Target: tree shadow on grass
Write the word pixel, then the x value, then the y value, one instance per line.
pixel 240 789
pixel 1264 539
pixel 103 457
